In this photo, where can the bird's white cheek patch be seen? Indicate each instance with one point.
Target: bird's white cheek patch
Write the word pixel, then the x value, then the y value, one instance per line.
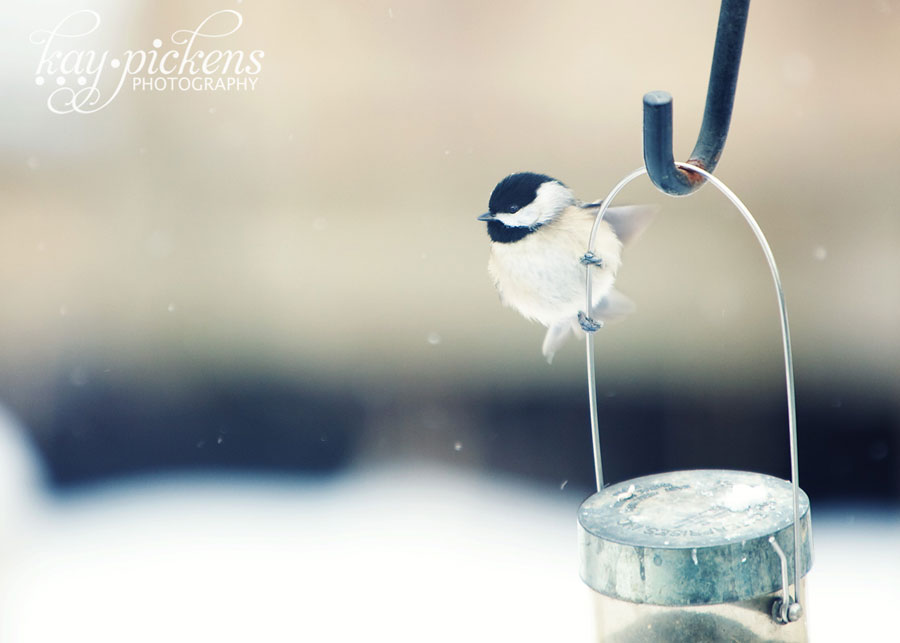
pixel 524 218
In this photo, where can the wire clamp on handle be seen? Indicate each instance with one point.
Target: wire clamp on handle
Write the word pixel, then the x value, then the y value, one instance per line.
pixel 590 259
pixel 587 324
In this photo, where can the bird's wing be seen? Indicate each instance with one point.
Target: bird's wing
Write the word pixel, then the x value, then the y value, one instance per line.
pixel 627 221
pixel 612 308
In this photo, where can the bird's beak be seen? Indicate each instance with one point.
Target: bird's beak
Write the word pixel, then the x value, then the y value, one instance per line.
pixel 487 216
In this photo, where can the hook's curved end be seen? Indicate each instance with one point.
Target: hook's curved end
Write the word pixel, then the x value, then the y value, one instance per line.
pixel 658 156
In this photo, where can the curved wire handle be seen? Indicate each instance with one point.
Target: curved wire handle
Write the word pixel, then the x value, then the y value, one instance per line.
pixel 785 336
pixel 667 175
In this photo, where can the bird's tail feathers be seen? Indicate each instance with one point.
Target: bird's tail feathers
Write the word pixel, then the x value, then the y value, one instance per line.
pixel 554 339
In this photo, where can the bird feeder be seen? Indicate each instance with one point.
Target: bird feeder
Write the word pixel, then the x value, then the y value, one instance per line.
pixel 706 555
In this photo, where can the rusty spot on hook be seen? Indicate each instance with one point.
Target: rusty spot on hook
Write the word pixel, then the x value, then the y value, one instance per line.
pixel 694 178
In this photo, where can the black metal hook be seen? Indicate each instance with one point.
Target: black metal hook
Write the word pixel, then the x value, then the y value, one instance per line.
pixel 726 61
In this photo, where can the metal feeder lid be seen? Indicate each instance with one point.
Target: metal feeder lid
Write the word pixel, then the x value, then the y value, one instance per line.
pixel 691 537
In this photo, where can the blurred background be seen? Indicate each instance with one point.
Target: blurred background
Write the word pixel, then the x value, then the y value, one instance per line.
pixel 260 321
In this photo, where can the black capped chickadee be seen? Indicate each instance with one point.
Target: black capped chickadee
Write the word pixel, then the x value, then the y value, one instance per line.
pixel 539 241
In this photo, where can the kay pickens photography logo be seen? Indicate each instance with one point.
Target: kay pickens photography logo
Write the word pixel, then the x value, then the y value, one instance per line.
pixel 190 60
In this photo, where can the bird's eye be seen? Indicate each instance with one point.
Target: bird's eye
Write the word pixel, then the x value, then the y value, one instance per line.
pixel 513 209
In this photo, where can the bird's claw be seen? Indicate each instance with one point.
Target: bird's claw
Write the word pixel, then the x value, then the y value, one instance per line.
pixel 590 259
pixel 587 324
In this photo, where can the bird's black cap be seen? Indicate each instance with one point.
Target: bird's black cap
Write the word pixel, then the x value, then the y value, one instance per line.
pixel 516 191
